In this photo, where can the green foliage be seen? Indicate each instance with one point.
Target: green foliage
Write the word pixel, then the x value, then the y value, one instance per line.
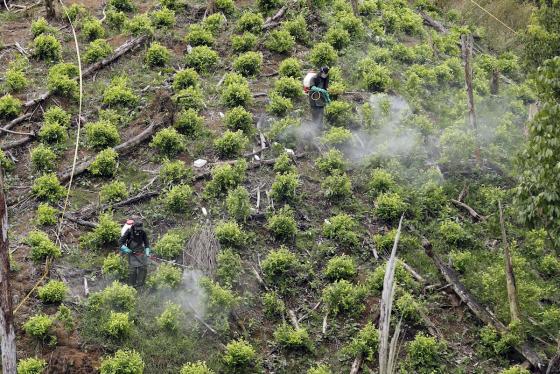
pixel 250 22
pixel 76 11
pixel 319 369
pixel 114 265
pixel 57 115
pixel 169 318
pixel 239 118
pixel 409 309
pixel 550 265
pixel 170 245
pixel 375 77
pixel 229 267
pixel 107 232
pixel 112 192
pixel 337 187
pixel 284 187
pixel 31 365
pixel 175 172
pixel 236 93
pixel 338 37
pixel 280 268
pixel 239 354
pixel 198 367
pixel 43 159
pixel 323 54
pixel 389 206
pixel 284 164
pixel 336 136
pixel 190 98
pixel 284 131
pixel 122 5
pixel 48 188
pixel 118 93
pixel 542 37
pixel 5 162
pixel 202 58
pixel 53 133
pixel 165 276
pixel 163 18
pixel 290 67
pixel 140 24
pixel 297 27
pixel 105 163
pixel 46 215
pixel 41 246
pixel 331 162
pixel 97 50
pixel 168 142
pixel 171 4
pixel 117 296
pixel 118 325
pixel 231 144
pixel 101 135
pixel 352 24
pixel 238 203
pixel 52 292
pixel 10 107
pixel 453 233
pixel 116 19
pixel 283 224
pixel 339 113
pixel 273 305
pixel 366 342
pixel 288 87
pixel 385 242
pixel 226 177
pixel 92 29
pixel 199 35
pixel 343 296
pixel 280 41
pixel 157 55
pixel 47 47
pixel 179 198
pixel 515 370
pixel 341 229
pixel 219 302
pixel 248 64
pixel 229 234
pixel 341 267
pixel 424 354
pixel 41 26
pixel 243 43
pixel 279 105
pixel 457 146
pixel 381 181
pixel 225 6
pixel 291 338
pixel 15 79
pixel 38 326
pixel 123 361
pixel 266 6
pixel 185 78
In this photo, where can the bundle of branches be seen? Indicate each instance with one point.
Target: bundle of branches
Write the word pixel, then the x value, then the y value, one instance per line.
pixel 202 249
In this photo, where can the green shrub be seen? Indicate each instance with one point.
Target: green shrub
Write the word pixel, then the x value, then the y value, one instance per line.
pixel 48 188
pixel 549 265
pixel 122 5
pixel 229 267
pixel 250 22
pixel 38 326
pixel 288 87
pixel 237 94
pixel 408 308
pixel 179 198
pixel 118 93
pixel 323 54
pixel 273 305
pixel 390 206
pixel 61 80
pixel 219 302
pixel 291 68
pixel 291 338
pixel 46 215
pixel 107 232
pixel 331 162
pixel 114 265
pixel 214 22
pixel 169 318
pixel 283 224
pixel 336 136
pixel 41 26
pixel 225 6
pixel 339 113
pixel 117 296
pixel 101 135
pixel 266 6
pixel 352 24
pixel 385 242
pixel 319 369
pixel 280 267
pixel 163 18
pixel 171 4
pixel 185 78
pixel 284 131
pixel 343 296
pixel 424 354
pixel 381 181
pixel 157 55
pixel 279 105
pixel 112 192
pixel 337 186
pixel 280 41
pixel 53 133
pixel 248 64
pixel 238 204
pixel 376 78
pixel 341 267
pixel 229 234
pixel 6 163
pixel 284 187
pixel 118 325
pixel 97 50
pixel 116 19
pixel 239 354
pixel 43 159
pixel 105 163
pixel 57 115
pixel 366 342
pixel 52 292
pixel 243 43
pixel 202 58
pixel 41 246
pixel 453 233
pixel 170 245
pixel 226 177
pixel 284 164
pixel 341 229
pixel 190 98
pixel 402 278
pixel 140 24
pixel 515 370
pixel 92 29
pixel 10 107
pixel 15 80
pixel 123 361
pixel 297 27
pixel 76 11
pixel 231 144
pixel 239 118
pixel 31 366
pixel 198 35
pixel 338 37
pixel 165 276
pixel 175 172
pixel 168 142
pixel 189 123
pixel 47 47
pixel 198 367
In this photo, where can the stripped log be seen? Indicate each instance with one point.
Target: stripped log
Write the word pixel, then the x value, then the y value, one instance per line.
pixel 357 364
pixel 17 143
pixel 510 277
pixel 274 21
pixel 293 319
pixel 471 211
pixel 429 21
pixel 413 272
pixel 16 121
pixel 80 221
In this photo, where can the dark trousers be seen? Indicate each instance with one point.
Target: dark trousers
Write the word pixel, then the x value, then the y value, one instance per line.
pixel 137 275
pixel 317 114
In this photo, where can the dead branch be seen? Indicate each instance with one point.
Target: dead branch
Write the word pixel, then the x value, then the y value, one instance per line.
pixel 274 20
pixel 463 193
pixel 471 211
pixel 357 364
pixel 293 319
pixel 259 94
pixel 510 277
pixel 16 121
pixel 259 278
pixel 429 21
pixel 79 221
pixel 17 143
pixel 324 329
pixel 86 287
pixel 413 272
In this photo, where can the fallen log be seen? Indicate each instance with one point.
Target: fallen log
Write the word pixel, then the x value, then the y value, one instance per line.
pixel 16 121
pixel 273 21
pixel 413 272
pixel 79 221
pixel 357 364
pixel 429 21
pixel 293 319
pixel 471 211
pixel 17 143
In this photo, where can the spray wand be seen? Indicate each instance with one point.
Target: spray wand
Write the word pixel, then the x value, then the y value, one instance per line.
pixel 154 258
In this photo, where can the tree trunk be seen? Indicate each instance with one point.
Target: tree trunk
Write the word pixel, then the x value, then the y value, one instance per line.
pixel 510 278
pixel 49 6
pixel 354 6
pixel 7 331
pixel 495 82
pixel 466 48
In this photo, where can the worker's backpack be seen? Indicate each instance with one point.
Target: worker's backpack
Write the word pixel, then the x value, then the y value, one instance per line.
pixel 308 79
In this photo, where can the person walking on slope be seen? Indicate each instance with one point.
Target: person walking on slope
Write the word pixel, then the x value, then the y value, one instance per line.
pixel 134 243
pixel 319 96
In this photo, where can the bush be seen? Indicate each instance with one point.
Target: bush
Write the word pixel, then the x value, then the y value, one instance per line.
pixel 53 133
pixel 229 234
pixel 115 265
pixel 408 307
pixel 250 22
pixel 323 54
pixel 343 296
pixel 279 105
pixel 185 78
pixel 238 204
pixel 338 37
pixel 376 78
pixel 179 198
pixel 92 29
pixel 288 87
pixel 229 267
pixel 41 246
pixel 140 24
pixel 169 318
pixel 402 278
pixel 163 18
pixel 57 115
pixel 239 354
pixel 273 305
pixel 123 361
pixel 341 229
pixel 175 172
pixel 189 123
pixel 225 6
pixel 331 162
pixel 550 266
pixel 336 136
pixel 190 98
pixel 10 107
pixel 226 177
pixel 214 22
pixel 169 142
pixel 118 325
pixel 117 296
pixel 352 24
pixel 198 367
pixel 219 302
pixel 288 337
pixel 43 159
pixel 76 11
pixel 105 163
pixel 116 19
pixel 38 326
pixel 118 93
pixel 48 188
pixel 112 192
pixel 170 245
pixel 47 47
pixel 284 164
pixel 248 63
pixel 284 131
pixel 291 68
pixel 266 6
pixel 107 232
pixel 341 267
pixel 515 370
pixel 381 181
pixel 41 26
pixel 366 342
pixel 385 242
pixel 280 267
pixel 15 80
pixel 237 94
pixel 31 366
pixel 122 5
pixel 61 80
pixel 280 41
pixel 231 144
pixel 424 354
pixel 297 27
pixel 239 118
pixel 283 224
pixel 243 43
pixel 157 55
pixel 453 233
pixel 284 187
pixel 165 276
pixel 339 113
pixel 202 58
pixel 199 35
pixel 5 162
pixel 337 187
pixel 319 369
pixel 97 50
pixel 101 135
pixel 390 206
pixel 46 215
pixel 52 292
pixel 171 4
